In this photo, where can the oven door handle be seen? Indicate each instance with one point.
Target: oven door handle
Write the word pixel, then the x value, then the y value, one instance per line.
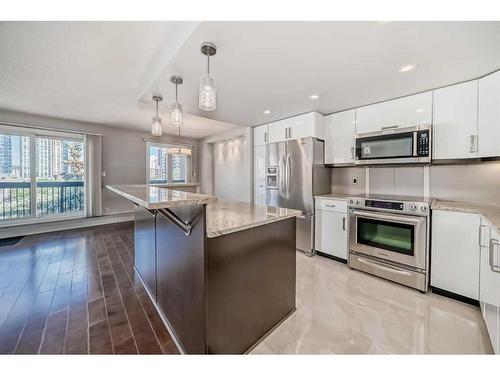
pixel 384 268
pixel 389 217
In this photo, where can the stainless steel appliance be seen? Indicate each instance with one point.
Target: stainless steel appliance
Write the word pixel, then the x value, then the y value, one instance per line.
pixel 295 173
pixel 394 145
pixel 389 237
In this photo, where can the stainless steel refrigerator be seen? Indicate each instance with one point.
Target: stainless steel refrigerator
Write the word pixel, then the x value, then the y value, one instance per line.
pixel 295 173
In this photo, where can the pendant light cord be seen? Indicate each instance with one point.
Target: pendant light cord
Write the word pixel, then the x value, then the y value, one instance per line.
pixel 208 64
pixel 176 85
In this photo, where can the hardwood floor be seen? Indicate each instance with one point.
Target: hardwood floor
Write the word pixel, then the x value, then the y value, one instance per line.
pixel 76 292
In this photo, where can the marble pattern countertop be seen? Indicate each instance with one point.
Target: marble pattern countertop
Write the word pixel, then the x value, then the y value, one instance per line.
pixel 335 196
pixel 152 197
pixel 226 216
pixel 490 212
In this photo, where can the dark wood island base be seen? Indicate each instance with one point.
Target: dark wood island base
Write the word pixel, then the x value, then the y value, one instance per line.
pixel 217 295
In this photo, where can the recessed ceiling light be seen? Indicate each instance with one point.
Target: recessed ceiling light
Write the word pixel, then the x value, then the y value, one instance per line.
pixel 268 112
pixel 314 96
pixel 407 68
pixel 420 110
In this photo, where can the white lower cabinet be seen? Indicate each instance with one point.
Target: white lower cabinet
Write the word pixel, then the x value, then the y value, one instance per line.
pixel 259 175
pixel 489 291
pixel 455 252
pixel 330 234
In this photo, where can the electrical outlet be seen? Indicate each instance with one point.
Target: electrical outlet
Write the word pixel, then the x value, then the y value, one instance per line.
pixel 354 180
pixel 106 209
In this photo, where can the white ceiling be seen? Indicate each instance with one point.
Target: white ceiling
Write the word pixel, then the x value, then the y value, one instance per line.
pixel 106 72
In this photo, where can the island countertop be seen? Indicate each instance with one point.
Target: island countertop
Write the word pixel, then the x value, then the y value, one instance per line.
pixel 227 216
pixel 153 197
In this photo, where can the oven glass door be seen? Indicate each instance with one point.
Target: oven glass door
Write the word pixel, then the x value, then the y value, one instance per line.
pixel 389 146
pixel 395 237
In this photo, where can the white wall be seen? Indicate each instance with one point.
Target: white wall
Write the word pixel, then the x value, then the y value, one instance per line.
pixel 225 161
pixel 124 153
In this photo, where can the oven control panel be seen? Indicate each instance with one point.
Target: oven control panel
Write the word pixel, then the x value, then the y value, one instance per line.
pixel 402 207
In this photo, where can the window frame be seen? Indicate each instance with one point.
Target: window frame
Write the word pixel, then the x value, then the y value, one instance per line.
pixel 33 134
pixel 189 165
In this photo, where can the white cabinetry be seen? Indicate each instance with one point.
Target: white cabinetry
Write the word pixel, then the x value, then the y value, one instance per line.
pixel 455 252
pixel 489 116
pixel 489 292
pixel 330 233
pixel 455 121
pixel 403 112
pixel 259 175
pixel 260 135
pixel 340 137
pixel 306 125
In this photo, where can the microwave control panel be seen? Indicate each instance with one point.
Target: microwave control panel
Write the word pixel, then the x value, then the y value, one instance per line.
pixel 423 141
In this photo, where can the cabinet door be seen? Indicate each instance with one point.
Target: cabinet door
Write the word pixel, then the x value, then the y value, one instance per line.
pixel 455 121
pixel 403 112
pixel 145 247
pixel 306 125
pixel 331 233
pixel 489 116
pixel 340 132
pixel 259 176
pixel 455 252
pixel 489 293
pixel 278 131
pixel 260 135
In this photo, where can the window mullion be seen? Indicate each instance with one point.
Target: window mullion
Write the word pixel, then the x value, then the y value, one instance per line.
pixel 33 197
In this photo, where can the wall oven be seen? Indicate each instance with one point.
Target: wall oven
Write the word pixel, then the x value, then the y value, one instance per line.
pixel 390 238
pixel 395 145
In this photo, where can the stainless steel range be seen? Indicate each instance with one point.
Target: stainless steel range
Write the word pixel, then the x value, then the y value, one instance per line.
pixel 389 237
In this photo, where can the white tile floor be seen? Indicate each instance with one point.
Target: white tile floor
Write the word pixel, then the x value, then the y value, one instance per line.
pixel 345 311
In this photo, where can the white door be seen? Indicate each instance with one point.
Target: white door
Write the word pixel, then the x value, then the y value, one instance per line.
pixel 331 229
pixel 260 135
pixel 455 252
pixel 403 112
pixel 259 175
pixel 489 116
pixel 489 293
pixel 278 131
pixel 340 133
pixel 455 121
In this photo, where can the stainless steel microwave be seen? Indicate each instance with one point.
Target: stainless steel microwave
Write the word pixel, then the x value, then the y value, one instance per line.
pixel 395 145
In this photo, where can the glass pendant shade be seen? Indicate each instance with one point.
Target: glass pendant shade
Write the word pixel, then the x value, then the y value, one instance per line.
pixel 156 129
pixel 207 94
pixel 176 116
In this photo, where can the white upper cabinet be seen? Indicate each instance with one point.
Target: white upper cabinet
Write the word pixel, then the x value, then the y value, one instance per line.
pixel 260 135
pixel 340 141
pixel 455 121
pixel 489 116
pixel 403 112
pixel 306 125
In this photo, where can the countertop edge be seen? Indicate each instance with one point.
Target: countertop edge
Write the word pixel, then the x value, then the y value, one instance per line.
pixel 218 233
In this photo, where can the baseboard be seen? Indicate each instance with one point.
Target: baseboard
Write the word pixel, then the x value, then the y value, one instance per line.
pixel 458 297
pixel 332 257
pixel 55 226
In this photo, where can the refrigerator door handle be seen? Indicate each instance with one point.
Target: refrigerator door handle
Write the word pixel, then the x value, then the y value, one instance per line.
pixel 289 172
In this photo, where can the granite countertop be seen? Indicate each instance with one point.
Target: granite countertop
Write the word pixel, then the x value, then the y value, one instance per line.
pixel 152 197
pixel 490 212
pixel 177 184
pixel 336 196
pixel 226 216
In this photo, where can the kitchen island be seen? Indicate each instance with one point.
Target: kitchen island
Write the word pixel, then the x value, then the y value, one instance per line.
pixel 221 273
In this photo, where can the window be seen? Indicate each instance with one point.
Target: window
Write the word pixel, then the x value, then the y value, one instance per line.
pixel 41 176
pixel 168 163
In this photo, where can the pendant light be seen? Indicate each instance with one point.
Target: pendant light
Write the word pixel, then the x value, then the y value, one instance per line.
pixel 176 116
pixel 207 96
pixel 156 130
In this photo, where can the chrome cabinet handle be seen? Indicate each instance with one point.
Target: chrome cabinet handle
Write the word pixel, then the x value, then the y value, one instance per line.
pixel 481 226
pixel 290 132
pixel 265 137
pixel 329 205
pixel 352 152
pixel 494 245
pixel 472 143
pixel 343 223
pixel 390 127
pixel 288 172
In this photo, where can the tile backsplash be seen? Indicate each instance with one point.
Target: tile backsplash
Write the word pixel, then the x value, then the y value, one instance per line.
pixel 464 182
